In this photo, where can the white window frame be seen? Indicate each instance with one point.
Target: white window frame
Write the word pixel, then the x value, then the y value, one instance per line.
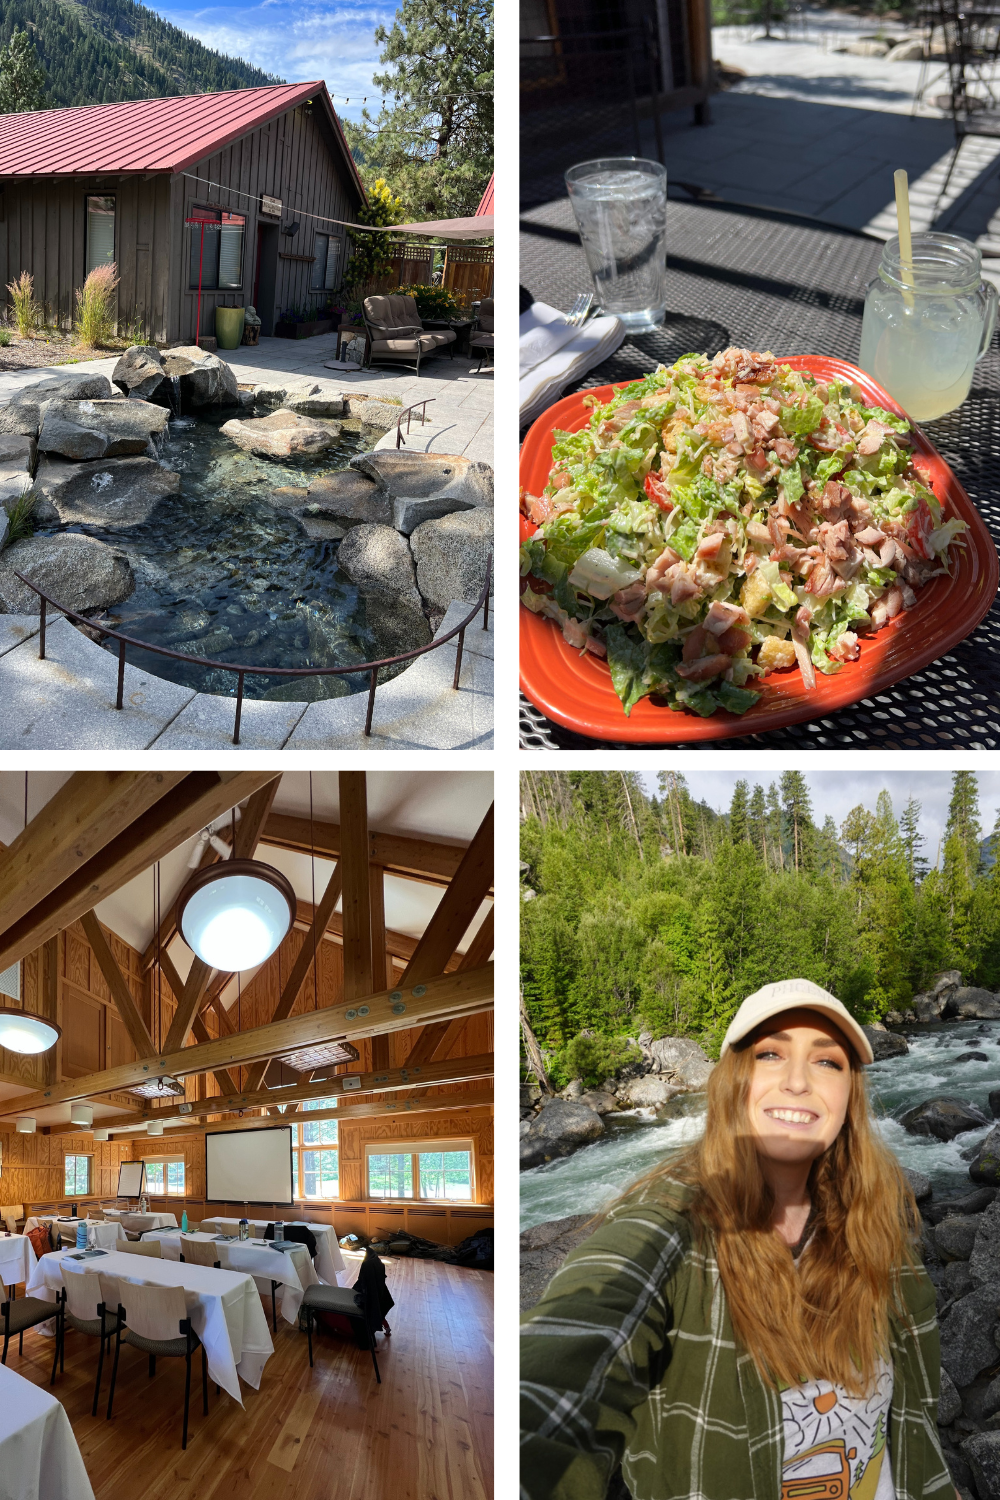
pixel 164 1161
pixel 88 1157
pixel 415 1149
pixel 88 258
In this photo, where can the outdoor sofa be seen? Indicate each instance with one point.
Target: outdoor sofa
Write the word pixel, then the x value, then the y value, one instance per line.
pixel 395 333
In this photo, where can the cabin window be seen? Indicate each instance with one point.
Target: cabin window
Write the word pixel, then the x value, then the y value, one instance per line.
pixel 77 1176
pixel 433 1172
pixel 315 1173
pixel 326 249
pixel 165 1175
pixel 221 259
pixel 100 232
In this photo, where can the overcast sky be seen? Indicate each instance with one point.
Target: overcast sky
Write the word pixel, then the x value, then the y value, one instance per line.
pixel 836 792
pixel 300 42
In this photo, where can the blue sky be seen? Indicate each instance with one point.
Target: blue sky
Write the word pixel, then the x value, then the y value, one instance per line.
pixel 300 42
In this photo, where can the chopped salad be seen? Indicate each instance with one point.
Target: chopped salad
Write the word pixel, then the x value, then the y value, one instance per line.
pixel 727 518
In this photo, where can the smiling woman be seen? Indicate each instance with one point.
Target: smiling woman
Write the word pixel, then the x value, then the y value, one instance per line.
pixel 763 1286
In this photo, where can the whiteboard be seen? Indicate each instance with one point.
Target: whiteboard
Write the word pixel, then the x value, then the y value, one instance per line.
pixel 249 1166
pixel 131 1179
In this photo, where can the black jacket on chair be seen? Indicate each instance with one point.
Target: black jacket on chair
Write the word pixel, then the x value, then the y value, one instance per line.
pixel 297 1232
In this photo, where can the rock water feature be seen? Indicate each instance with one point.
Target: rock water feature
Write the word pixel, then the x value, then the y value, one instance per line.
pixel 218 521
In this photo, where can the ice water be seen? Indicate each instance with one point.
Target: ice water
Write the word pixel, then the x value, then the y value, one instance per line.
pixel 621 214
pixel 923 355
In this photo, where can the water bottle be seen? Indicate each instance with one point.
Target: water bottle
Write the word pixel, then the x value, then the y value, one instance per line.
pixel 81 1235
pixel 279 1230
pixel 184 1222
pixel 244 1229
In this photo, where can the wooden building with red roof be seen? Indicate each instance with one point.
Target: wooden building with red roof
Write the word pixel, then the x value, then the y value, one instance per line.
pixel 265 170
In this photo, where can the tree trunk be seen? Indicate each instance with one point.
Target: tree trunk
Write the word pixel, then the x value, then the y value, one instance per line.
pixel 533 1050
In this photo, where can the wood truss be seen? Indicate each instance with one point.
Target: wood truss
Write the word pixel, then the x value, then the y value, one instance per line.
pixel 102 829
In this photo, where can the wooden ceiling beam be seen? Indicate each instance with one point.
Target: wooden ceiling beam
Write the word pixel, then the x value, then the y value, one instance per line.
pixel 444 996
pixel 65 889
pixel 116 982
pixel 399 945
pixel 356 905
pixel 176 983
pixel 456 909
pixel 410 858
pixel 458 1070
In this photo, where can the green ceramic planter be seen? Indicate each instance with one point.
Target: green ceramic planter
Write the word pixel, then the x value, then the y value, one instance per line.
pixel 229 326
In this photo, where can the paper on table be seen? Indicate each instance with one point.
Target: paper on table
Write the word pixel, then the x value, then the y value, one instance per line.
pixel 591 344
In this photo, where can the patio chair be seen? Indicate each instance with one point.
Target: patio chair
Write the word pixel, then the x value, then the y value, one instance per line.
pixel 198 1252
pixel 481 337
pixel 396 335
pixel 27 1313
pixel 85 1309
pixel 155 1319
pixel 364 1304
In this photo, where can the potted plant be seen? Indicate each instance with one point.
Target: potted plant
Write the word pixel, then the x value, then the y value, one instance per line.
pixel 432 301
pixel 296 323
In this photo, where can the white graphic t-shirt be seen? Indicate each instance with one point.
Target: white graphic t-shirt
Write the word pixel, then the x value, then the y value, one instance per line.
pixel 835 1444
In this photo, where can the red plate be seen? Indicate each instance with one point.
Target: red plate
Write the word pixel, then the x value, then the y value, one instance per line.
pixel 576 690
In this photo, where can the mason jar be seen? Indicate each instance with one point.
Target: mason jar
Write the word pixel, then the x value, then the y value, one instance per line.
pixel 921 342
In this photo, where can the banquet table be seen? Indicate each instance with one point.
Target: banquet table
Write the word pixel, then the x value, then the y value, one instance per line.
pixel 39 1456
pixel 292 1269
pixel 329 1261
pixel 17 1259
pixel 224 1307
pixel 766 280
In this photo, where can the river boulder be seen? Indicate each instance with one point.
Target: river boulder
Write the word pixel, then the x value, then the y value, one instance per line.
pixel 649 1092
pixel 140 373
pixel 920 1184
pixel 971 1057
pixel 451 555
pixel 603 1103
pixel 982 1450
pixel 100 429
pixel 18 453
pixel 985 1164
pixel 68 386
pixel 967 1343
pixel 943 1118
pixel 885 1043
pixel 955 1237
pixel 971 1203
pixel 283 434
pixel 559 1128
pixel 205 379
pixel 544 1247
pixel 680 1059
pixel 968 1004
pixel 949 1401
pixel 349 498
pixel 378 560
pixel 116 492
pixel 79 571
pixel 984 1261
pixel 927 1007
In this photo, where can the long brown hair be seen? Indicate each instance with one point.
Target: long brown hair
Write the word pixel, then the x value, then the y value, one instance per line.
pixel 827 1316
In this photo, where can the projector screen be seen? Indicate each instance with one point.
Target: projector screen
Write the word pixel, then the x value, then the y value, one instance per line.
pixel 249 1166
pixel 131 1179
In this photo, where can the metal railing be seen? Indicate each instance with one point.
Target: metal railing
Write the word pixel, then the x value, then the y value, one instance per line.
pixel 407 410
pixel 371 667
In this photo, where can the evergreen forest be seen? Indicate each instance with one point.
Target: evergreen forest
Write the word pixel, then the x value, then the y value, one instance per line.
pixel 102 51
pixel 656 913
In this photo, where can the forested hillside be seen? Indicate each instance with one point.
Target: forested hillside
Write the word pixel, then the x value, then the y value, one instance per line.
pixel 656 913
pixel 105 50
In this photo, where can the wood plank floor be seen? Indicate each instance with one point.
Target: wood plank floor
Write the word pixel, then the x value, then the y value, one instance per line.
pixel 330 1433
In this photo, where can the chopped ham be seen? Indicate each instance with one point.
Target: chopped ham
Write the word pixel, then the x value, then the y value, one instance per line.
pixel 741 427
pixel 697 643
pixel 767 421
pixel 887 553
pixel 683 586
pixel 560 480
pixel 628 604
pixel 654 573
pixel 785 450
pixel 704 668
pixel 734 639
pixel 596 647
pixel 894 601
pixel 758 459
pixel 869 537
pixel 835 501
pixel 545 507
pixel 846 648
pixel 872 437
pixel 712 545
pixel 574 634
pixel 721 616
pixel 758 533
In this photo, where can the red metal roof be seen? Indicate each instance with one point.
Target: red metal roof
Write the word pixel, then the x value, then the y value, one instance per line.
pixel 146 135
pixel 486 201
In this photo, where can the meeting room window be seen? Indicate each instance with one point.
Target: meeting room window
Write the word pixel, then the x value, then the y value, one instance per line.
pixel 314 1156
pixel 100 232
pixel 165 1175
pixel 426 1171
pixel 77 1176
pixel 326 249
pixel 221 260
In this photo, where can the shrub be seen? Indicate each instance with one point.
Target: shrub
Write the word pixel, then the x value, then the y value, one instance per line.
pixel 95 304
pixel 594 1058
pixel 432 301
pixel 6 338
pixel 26 309
pixel 19 516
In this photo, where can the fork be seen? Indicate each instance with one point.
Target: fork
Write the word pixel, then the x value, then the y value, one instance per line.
pixel 577 314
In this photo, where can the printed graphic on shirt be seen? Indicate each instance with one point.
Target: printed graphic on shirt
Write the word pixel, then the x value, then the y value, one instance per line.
pixel 835 1444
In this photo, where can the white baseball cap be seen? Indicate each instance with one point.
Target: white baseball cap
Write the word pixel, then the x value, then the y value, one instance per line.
pixel 793 994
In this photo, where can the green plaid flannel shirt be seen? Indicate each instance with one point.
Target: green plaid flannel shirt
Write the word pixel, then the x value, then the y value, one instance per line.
pixel 630 1357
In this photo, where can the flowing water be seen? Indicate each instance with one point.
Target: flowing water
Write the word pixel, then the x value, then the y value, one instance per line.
pixel 637 1140
pixel 221 573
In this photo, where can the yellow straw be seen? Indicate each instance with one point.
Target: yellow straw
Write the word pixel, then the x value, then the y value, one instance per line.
pixel 905 243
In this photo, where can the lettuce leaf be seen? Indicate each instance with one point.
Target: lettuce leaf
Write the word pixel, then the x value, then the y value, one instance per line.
pixel 798 421
pixel 736 699
pixel 791 484
pixel 627 661
pixel 602 575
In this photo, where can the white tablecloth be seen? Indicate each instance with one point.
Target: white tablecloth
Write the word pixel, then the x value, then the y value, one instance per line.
pixel 140 1222
pixel 39 1457
pixel 224 1307
pixel 17 1259
pixel 329 1261
pixel 293 1269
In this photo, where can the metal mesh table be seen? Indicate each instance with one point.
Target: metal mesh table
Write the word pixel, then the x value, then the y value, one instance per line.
pixel 768 281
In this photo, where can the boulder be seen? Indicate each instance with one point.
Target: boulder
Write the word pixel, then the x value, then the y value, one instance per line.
pixel 79 571
pixel 378 560
pixel 112 492
pixel 957 1279
pixel 18 452
pixel 968 1004
pixel 205 379
pixel 24 417
pixel 971 1057
pixel 943 1118
pixel 602 1102
pixel 348 499
pixel 920 1184
pixel 995 1103
pixel 885 1043
pixel 985 1163
pixel 451 556
pixel 544 1247
pixel 908 51
pixel 283 434
pixel 649 1092
pixel 982 1450
pixel 955 1237
pixel 949 1401
pixel 530 1095
pixel 682 1059
pixel 948 979
pixel 928 1007
pixel 139 373
pixel 866 47
pixel 967 1343
pixel 116 428
pixel 984 1261
pixel 309 401
pixel 972 1203
pixel 68 387
pixel 573 1089
pixel 561 1127
pixel 374 413
pixel 425 486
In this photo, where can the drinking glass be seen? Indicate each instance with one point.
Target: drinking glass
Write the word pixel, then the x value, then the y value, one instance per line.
pixel 620 205
pixel 921 342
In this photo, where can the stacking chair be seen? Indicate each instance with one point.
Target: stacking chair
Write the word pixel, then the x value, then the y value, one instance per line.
pixel 27 1313
pixel 11 1213
pixel 140 1247
pixel 84 1308
pixel 481 337
pixel 364 1304
pixel 199 1252
pixel 155 1319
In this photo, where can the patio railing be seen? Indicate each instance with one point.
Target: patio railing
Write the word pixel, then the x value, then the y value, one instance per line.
pixel 371 667
pixel 407 412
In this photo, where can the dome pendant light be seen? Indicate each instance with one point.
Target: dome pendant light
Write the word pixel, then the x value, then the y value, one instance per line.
pixel 233 915
pixel 23 1031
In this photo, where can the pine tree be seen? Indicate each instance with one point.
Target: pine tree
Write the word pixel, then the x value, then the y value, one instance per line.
pixel 828 852
pixel 758 822
pixel 22 81
pixel 775 831
pixel 798 817
pixel 963 819
pixel 856 831
pixel 912 838
pixel 739 827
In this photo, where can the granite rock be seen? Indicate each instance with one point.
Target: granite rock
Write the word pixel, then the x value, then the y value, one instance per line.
pixel 378 560
pixel 451 556
pixel 109 492
pixel 943 1118
pixel 283 434
pixel 80 571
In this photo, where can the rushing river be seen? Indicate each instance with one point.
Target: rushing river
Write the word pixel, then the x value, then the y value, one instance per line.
pixel 636 1140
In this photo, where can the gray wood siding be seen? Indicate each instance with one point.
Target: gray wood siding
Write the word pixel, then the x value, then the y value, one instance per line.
pixel 294 158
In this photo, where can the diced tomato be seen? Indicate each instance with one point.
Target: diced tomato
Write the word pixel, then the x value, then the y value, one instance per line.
pixel 538 585
pixel 657 492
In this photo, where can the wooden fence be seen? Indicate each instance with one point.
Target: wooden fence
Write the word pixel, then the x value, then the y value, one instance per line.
pixel 467 270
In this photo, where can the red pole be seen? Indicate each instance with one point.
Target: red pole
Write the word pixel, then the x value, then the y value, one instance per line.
pixel 201 257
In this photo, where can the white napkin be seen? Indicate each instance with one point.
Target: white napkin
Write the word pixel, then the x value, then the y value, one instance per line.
pixel 571 352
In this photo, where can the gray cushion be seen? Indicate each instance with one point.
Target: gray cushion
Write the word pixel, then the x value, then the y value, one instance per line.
pixel 27 1311
pixel 92 1325
pixel 481 341
pixel 332 1299
pixel 157 1346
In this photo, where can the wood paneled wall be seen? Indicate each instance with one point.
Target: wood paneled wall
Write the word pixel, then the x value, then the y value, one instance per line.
pixel 354 1136
pixel 34 1170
